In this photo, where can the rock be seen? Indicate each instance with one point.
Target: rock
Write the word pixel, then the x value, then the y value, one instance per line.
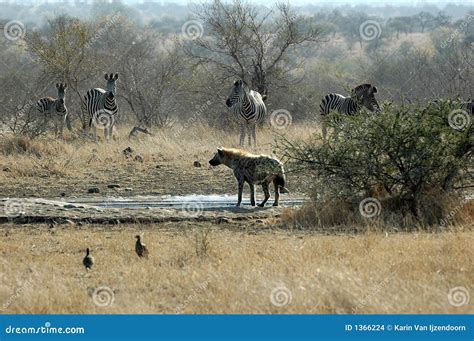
pixel 63 194
pixel 113 186
pixel 93 190
pixel 69 206
pixel 197 164
pixel 127 189
pixel 138 158
pixel 7 169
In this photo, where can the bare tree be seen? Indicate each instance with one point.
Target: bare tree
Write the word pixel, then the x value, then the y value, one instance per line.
pixel 251 43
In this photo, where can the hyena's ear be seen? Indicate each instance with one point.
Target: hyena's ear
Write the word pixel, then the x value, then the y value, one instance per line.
pixel 106 76
pixel 57 85
pixel 65 85
pixel 116 76
pixel 220 151
pixel 374 90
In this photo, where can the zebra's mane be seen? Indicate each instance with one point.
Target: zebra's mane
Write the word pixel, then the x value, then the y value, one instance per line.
pixel 362 89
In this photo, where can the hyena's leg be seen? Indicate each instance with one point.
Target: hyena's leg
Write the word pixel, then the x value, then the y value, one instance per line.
pixel 267 194
pixel 241 189
pixel 277 193
pixel 242 133
pixel 252 194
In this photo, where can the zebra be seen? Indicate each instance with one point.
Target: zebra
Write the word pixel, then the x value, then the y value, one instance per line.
pixel 99 107
pixel 361 95
pixel 249 108
pixel 55 109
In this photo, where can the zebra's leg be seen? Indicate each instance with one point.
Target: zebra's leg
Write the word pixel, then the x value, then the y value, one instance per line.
pixel 254 136
pixel 266 192
pixel 242 134
pixel 94 131
pixel 249 133
pixel 277 192
pixel 111 131
pixel 323 127
pixel 241 189
pixel 252 194
pixel 61 126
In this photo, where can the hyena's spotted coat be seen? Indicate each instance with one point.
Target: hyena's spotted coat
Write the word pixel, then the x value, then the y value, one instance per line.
pixel 253 169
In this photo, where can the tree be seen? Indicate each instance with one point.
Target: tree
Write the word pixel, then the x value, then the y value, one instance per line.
pixel 64 50
pixel 247 42
pixel 424 19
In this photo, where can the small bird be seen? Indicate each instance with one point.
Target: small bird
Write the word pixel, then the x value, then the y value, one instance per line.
pixel 141 248
pixel 88 260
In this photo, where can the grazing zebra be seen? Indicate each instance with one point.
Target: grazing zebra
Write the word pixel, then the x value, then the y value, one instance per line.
pixel 55 109
pixel 99 107
pixel 249 108
pixel 362 95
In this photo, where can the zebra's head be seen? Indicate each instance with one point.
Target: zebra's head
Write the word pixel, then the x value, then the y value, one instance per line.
pixel 365 95
pixel 111 84
pixel 61 92
pixel 236 93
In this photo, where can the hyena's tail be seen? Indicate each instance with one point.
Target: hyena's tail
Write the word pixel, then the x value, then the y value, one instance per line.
pixel 280 181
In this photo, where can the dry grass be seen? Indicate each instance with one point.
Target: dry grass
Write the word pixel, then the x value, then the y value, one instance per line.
pixel 73 165
pixel 197 268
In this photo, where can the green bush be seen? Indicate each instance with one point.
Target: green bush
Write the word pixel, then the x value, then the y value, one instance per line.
pixel 410 156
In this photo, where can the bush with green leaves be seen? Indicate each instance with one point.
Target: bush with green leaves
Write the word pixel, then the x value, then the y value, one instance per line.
pixel 404 154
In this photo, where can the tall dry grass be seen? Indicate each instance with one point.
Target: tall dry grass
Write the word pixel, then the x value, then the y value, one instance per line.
pixel 26 157
pixel 198 268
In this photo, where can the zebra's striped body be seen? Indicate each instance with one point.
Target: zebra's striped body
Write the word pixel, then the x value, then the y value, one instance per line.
pixel 54 109
pixel 248 107
pixel 99 107
pixel 361 96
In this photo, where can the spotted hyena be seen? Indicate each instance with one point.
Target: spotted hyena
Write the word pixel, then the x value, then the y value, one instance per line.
pixel 253 169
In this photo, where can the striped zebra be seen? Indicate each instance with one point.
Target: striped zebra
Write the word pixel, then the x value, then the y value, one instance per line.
pixel 248 107
pixel 99 108
pixel 55 109
pixel 361 96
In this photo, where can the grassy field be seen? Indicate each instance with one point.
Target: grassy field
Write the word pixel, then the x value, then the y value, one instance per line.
pixel 252 268
pixel 72 166
pixel 256 266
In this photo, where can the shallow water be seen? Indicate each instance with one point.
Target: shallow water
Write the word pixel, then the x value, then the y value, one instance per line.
pixel 178 202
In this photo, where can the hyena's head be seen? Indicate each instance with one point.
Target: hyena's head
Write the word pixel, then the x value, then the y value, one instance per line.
pixel 218 157
pixel 111 84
